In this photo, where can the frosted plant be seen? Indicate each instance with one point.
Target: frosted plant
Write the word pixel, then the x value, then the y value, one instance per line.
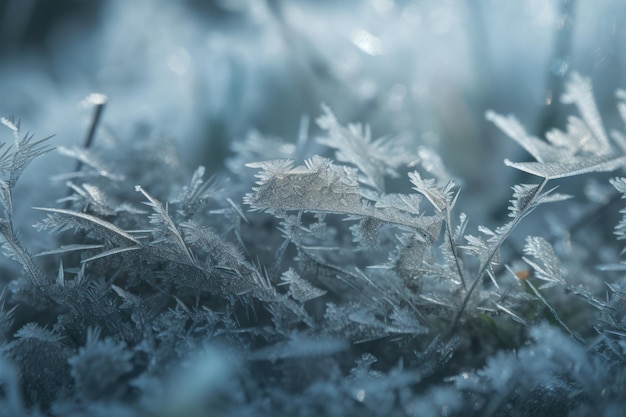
pixel 13 161
pixel 168 298
pixel 374 159
pixel 584 147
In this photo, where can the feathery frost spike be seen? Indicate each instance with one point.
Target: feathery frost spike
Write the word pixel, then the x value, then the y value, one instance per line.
pixel 524 199
pixel 34 331
pixel 11 124
pixel 577 139
pixel 271 168
pixel 545 262
pixel 68 248
pixel 539 149
pixel 620 184
pixel 95 220
pixel 405 202
pixel 620 229
pixel 111 252
pixel 61 275
pixel 87 157
pixel 198 193
pixel 162 219
pixel 300 289
pixel 578 91
pixel 374 158
pixel 440 197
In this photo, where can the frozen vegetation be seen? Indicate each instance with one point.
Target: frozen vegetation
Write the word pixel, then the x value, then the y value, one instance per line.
pixel 283 208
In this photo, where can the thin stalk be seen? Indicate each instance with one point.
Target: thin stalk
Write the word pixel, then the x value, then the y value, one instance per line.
pixel 453 248
pixel 22 256
pixel 552 311
pixel 99 101
pixel 494 250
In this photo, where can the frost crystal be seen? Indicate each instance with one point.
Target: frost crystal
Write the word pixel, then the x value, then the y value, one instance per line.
pixel 583 148
pixel 545 263
pixel 320 185
pixel 300 289
pixel 354 145
pixel 440 197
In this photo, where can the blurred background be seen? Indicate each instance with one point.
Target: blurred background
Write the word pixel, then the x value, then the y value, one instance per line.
pixel 206 73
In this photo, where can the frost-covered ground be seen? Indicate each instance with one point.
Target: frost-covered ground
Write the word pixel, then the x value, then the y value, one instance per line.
pixel 367 286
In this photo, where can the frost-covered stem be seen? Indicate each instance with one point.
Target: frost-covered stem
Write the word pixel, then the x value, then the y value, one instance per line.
pixel 552 311
pixel 328 266
pixel 95 120
pixel 99 101
pixel 171 227
pixel 494 249
pixel 453 248
pixel 22 255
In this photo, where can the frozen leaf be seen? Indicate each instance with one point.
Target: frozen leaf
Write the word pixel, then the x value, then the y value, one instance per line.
pixel 583 148
pixel 428 226
pixel 270 169
pixel 318 186
pixel 571 167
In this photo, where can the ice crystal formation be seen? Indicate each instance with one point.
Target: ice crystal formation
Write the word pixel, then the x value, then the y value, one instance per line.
pixel 314 290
